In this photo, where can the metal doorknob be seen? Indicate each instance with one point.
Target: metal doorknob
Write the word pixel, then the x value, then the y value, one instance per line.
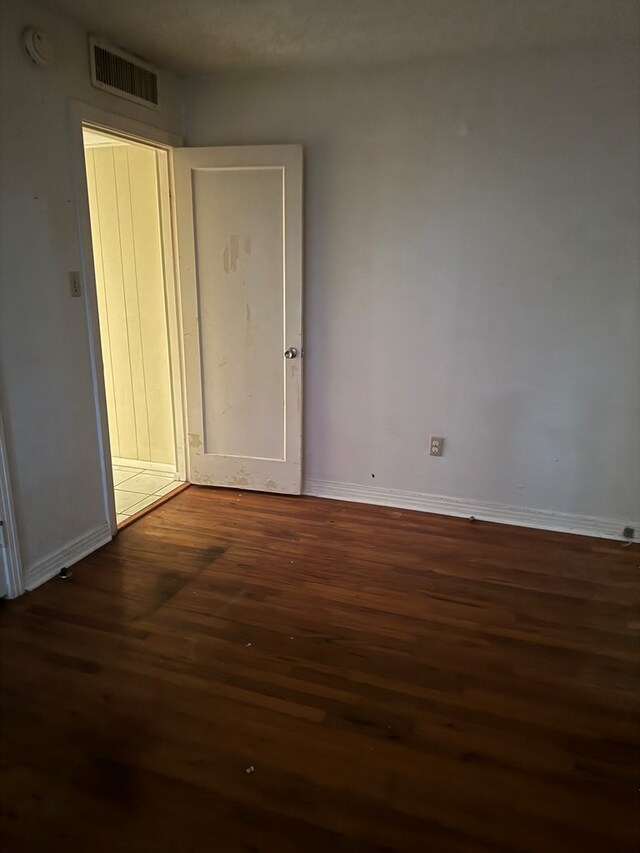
pixel 292 352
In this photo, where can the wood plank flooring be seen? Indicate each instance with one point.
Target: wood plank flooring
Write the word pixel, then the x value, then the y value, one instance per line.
pixel 248 672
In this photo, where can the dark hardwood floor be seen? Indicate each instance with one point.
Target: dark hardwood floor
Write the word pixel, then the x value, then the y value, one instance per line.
pixel 247 672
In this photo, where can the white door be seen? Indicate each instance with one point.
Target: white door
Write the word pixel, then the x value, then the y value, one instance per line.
pixel 239 226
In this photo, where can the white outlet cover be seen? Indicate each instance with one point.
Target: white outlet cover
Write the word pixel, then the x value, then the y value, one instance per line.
pixel 436 443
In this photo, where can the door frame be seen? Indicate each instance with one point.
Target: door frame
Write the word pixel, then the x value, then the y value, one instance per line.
pixel 82 115
pixel 11 564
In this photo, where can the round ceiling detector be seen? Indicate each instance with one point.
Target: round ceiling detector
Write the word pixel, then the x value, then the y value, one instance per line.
pixel 39 47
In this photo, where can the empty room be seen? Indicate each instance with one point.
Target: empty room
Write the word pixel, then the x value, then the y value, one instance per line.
pixel 320 426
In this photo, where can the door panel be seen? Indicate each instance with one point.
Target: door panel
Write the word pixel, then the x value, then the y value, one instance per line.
pixel 239 213
pixel 239 232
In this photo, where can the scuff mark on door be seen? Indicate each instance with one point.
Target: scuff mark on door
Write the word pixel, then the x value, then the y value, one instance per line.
pixel 248 336
pixel 231 254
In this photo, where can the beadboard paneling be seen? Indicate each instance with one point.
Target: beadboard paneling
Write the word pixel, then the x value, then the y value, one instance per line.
pixel 128 255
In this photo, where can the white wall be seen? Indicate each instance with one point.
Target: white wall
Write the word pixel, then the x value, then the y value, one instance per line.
pixel 471 271
pixel 45 380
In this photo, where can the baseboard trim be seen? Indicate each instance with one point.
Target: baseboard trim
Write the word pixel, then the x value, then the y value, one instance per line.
pixel 165 467
pixel 67 556
pixel 604 528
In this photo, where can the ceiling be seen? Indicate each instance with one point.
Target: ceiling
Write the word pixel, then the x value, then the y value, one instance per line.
pixel 204 36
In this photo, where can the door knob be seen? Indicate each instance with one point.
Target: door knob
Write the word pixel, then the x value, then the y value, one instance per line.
pixel 292 352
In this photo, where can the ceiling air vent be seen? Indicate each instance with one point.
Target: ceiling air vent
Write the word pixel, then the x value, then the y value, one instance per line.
pixel 124 75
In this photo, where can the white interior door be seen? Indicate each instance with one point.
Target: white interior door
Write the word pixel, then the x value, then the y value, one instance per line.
pixel 239 225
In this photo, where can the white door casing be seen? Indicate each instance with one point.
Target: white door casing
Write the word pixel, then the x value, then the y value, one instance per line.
pixel 83 116
pixel 11 574
pixel 239 229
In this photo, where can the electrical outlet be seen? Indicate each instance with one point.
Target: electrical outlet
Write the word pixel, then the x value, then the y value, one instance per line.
pixel 75 283
pixel 436 444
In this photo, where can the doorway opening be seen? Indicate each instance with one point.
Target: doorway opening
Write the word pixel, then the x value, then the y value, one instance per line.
pixel 129 210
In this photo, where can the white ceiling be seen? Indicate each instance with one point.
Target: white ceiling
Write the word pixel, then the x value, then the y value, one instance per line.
pixel 202 36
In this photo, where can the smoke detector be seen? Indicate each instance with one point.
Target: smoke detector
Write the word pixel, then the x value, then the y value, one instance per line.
pixel 39 47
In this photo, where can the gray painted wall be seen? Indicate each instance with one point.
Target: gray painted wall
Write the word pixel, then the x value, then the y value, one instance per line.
pixel 45 380
pixel 471 270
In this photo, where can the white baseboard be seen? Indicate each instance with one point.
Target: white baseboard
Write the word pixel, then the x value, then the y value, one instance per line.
pixel 165 467
pixel 605 528
pixel 67 556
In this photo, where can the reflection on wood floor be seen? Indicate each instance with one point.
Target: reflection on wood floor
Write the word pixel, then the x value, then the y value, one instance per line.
pixel 249 672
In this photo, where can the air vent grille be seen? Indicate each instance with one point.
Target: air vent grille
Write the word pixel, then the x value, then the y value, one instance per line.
pixel 123 75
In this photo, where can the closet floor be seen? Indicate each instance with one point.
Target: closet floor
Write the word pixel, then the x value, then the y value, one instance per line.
pixel 136 488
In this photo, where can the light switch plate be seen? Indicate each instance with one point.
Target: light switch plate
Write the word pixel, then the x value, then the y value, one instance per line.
pixel 75 283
